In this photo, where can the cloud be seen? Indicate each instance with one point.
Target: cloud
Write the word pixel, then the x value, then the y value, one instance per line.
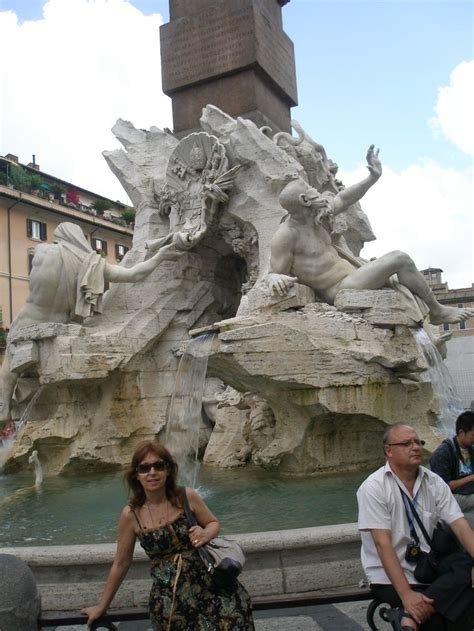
pixel 426 211
pixel 70 76
pixel 455 106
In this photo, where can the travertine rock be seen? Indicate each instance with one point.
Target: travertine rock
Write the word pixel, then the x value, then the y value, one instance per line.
pixel 316 385
pixel 384 307
pixel 330 381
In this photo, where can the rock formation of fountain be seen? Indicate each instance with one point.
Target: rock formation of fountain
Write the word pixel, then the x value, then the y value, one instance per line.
pixel 309 387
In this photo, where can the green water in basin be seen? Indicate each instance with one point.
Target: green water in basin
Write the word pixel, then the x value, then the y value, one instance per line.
pixel 85 509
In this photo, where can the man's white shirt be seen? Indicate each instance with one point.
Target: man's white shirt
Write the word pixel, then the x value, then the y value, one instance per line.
pixel 381 507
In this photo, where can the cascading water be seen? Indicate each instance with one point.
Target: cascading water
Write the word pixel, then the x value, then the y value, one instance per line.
pixel 450 406
pixel 184 419
pixel 6 443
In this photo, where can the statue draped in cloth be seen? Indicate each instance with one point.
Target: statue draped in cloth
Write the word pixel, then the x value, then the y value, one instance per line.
pixel 67 284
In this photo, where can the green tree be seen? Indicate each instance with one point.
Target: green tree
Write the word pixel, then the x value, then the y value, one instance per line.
pixel 129 215
pixel 35 182
pixel 19 178
pixel 100 205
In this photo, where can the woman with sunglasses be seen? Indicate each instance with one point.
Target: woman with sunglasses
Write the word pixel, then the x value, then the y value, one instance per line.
pixel 183 595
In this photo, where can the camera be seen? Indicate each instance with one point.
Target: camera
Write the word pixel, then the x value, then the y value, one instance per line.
pixel 412 553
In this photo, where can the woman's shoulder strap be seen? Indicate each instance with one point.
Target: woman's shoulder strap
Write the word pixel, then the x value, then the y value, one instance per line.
pixel 132 510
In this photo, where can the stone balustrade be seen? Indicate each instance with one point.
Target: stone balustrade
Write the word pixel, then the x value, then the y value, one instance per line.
pixel 282 562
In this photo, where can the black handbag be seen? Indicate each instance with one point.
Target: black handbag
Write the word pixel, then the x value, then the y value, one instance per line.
pixel 442 543
pixel 223 558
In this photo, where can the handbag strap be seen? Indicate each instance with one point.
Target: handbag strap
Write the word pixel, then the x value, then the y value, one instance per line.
pixel 190 516
pixel 192 521
pixel 416 516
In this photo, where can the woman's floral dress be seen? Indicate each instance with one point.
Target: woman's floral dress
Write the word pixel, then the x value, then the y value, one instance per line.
pixel 183 596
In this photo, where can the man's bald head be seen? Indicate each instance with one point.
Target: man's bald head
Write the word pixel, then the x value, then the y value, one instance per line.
pixel 388 436
pixel 291 196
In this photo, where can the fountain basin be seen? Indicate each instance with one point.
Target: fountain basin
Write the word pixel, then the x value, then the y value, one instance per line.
pixel 286 562
pixel 85 509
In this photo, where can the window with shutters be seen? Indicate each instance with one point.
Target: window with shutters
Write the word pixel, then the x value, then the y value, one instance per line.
pixel 36 230
pixel 120 251
pixel 99 245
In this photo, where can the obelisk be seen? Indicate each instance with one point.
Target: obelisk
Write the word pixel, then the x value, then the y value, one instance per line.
pixel 230 53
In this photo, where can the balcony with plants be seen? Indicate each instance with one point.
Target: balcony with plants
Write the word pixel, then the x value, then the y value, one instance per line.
pixel 17 178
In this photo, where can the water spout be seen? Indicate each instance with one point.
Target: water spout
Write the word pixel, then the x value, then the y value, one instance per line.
pixel 437 373
pixel 184 418
pixel 6 441
pixel 34 460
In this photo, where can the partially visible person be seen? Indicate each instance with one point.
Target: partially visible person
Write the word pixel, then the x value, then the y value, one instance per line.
pixel 183 596
pixel 454 462
pixel 388 529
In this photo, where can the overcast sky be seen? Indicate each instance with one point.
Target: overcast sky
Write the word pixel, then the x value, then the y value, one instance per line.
pixel 398 74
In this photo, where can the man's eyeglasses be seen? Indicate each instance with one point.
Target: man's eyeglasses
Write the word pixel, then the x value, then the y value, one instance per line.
pixel 159 465
pixel 408 443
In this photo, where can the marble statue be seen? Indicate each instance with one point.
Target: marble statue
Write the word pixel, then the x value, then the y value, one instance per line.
pixel 197 181
pixel 302 249
pixel 67 283
pixel 351 227
pixel 34 460
pixel 265 236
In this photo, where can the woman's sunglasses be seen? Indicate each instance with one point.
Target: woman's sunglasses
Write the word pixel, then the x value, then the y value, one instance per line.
pixel 159 465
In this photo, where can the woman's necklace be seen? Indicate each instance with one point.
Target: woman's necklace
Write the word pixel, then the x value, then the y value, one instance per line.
pixel 161 520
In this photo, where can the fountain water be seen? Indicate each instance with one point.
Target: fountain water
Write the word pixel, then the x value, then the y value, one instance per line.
pixel 443 385
pixel 184 420
pixel 6 442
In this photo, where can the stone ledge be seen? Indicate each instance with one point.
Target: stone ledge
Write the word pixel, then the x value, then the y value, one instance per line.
pixel 285 562
pixel 385 308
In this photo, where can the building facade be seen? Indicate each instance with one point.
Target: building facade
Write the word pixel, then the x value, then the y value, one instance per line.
pixel 32 205
pixel 460 359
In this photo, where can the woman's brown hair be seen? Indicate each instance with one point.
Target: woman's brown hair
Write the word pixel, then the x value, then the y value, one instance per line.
pixel 136 493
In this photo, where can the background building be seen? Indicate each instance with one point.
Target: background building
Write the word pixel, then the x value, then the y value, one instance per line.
pixel 32 204
pixel 460 359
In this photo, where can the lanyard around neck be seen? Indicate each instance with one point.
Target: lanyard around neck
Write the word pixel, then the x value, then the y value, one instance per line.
pixel 413 533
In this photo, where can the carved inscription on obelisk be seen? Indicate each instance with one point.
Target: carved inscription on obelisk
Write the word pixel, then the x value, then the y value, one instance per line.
pixel 234 55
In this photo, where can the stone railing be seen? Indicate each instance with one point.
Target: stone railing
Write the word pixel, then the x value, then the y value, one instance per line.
pixel 285 562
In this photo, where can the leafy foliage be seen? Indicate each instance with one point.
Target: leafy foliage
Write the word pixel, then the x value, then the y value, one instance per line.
pixel 20 178
pixel 100 205
pixel 129 215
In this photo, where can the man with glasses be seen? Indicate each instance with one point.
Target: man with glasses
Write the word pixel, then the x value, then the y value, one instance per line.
pixel 392 539
pixel 454 462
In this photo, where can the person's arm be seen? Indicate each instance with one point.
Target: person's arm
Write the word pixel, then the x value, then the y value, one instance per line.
pixel 443 463
pixel 123 559
pixel 464 533
pixel 354 193
pixel 281 260
pixel 208 527
pixel 118 274
pixel 416 604
pixel 460 482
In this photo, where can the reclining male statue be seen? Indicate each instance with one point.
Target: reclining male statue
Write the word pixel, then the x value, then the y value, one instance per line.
pixel 302 249
pixel 67 282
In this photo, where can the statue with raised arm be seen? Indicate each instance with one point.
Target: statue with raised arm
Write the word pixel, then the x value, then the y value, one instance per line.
pixel 303 249
pixel 67 283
